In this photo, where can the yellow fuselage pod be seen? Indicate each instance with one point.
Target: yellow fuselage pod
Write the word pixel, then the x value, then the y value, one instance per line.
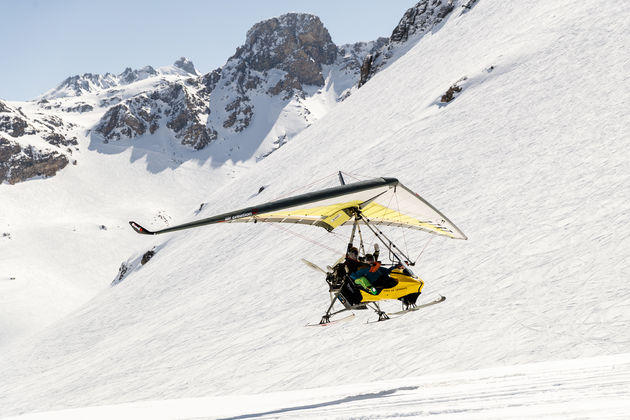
pixel 406 285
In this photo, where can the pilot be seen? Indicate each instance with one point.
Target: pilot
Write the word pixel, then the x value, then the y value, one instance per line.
pixel 352 262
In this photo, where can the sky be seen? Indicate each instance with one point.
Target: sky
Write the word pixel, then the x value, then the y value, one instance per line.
pixel 46 41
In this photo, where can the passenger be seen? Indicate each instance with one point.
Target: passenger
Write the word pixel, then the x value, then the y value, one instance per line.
pixel 369 277
pixel 376 252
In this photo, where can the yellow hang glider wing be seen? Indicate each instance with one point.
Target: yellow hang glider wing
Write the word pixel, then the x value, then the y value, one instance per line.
pixel 382 201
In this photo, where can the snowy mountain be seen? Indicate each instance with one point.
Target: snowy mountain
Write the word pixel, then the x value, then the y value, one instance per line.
pixel 510 120
pixel 287 75
pixel 89 83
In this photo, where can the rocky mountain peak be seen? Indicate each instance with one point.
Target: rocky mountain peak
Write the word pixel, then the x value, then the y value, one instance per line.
pixel 295 42
pixel 88 82
pixel 79 84
pixel 186 65
pixel 423 16
pixel 130 76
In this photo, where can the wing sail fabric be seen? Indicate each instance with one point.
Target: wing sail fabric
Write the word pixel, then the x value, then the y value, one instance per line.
pixel 382 201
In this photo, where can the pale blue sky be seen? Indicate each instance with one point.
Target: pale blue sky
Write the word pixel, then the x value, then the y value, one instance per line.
pixel 45 41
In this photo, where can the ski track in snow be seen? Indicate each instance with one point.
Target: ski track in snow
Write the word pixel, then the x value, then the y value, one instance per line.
pixel 594 388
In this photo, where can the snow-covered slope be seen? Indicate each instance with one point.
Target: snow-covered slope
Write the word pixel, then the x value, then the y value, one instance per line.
pixel 553 390
pixel 529 159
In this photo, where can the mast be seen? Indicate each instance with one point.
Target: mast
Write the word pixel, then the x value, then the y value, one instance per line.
pixel 341 180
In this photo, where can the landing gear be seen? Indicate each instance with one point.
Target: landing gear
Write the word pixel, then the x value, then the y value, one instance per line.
pixel 337 295
pixel 382 315
pixel 334 295
pixel 408 306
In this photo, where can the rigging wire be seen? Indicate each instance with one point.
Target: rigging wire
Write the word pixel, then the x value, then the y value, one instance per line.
pixel 288 194
pixel 388 207
pixel 306 238
pixel 357 176
pixel 400 221
pixel 350 175
pixel 425 247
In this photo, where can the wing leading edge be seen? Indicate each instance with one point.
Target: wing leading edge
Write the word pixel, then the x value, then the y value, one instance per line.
pixel 381 200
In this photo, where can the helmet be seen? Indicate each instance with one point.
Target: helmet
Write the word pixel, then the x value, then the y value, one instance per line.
pixel 369 258
pixel 353 253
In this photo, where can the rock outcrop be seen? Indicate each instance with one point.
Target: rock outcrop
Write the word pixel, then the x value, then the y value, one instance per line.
pixel 421 18
pixel 19 163
pixel 15 123
pixel 418 20
pixel 175 105
pixel 298 44
pixel 186 65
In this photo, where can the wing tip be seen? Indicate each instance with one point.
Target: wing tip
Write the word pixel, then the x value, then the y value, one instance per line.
pixel 140 229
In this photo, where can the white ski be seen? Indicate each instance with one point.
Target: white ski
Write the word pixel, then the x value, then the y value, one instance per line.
pixel 335 321
pixel 423 305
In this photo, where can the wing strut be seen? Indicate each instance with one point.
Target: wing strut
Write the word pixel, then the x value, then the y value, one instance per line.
pixel 405 261
pixel 354 230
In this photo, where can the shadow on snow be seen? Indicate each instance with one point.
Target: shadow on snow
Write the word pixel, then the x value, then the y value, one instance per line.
pixel 340 401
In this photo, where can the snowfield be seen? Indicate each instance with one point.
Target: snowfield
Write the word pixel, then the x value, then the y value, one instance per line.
pixel 586 388
pixel 530 160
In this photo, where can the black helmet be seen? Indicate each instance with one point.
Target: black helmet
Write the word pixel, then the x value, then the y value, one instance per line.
pixel 353 253
pixel 369 258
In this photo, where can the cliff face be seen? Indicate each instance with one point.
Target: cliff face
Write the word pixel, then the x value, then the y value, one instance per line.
pixel 421 18
pixel 425 16
pixel 174 105
pixel 297 44
pixel 19 161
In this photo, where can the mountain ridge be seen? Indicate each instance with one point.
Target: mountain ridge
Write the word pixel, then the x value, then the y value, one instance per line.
pixel 286 75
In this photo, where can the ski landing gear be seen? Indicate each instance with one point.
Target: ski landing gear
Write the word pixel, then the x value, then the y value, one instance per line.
pixel 413 307
pixel 382 316
pixel 337 295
